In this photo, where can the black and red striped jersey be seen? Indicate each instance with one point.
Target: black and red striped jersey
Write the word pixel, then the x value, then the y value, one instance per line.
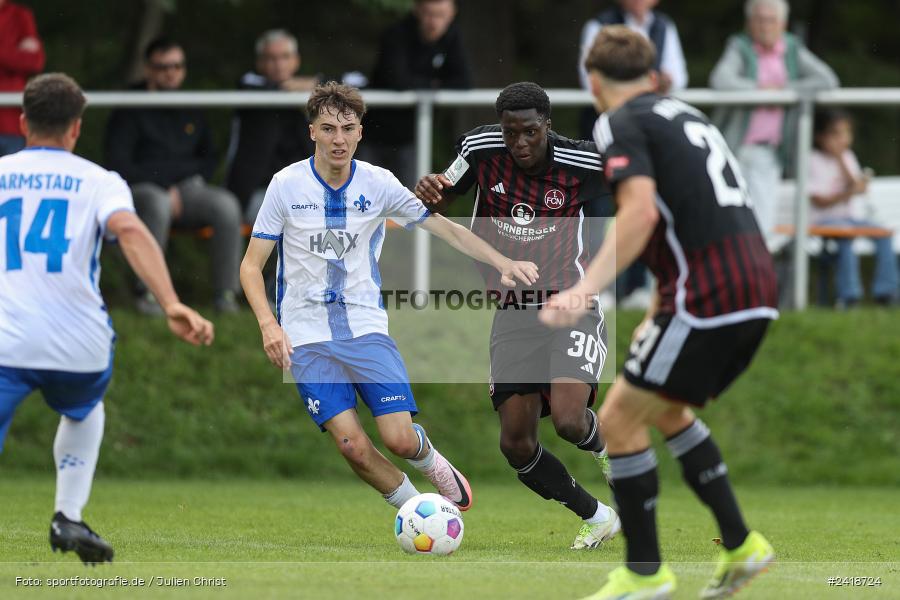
pixel 707 253
pixel 543 218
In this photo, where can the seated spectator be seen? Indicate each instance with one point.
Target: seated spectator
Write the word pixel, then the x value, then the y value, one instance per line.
pixel 836 182
pixel 167 156
pixel 424 51
pixel 265 140
pixel 632 289
pixel 763 138
pixel 21 55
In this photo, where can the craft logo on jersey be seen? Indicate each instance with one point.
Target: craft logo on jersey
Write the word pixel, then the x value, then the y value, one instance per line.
pixel 312 406
pixel 522 214
pixel 337 242
pixel 362 204
pixel 554 199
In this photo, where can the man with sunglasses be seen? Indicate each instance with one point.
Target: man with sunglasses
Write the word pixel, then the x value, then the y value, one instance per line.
pixel 167 157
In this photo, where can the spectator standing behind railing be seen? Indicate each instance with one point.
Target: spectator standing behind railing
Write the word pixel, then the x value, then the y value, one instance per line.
pixel 632 289
pixel 638 15
pixel 167 156
pixel 766 57
pixel 21 55
pixel 265 140
pixel 835 183
pixel 424 51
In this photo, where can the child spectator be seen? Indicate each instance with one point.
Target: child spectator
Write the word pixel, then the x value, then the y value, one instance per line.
pixel 836 183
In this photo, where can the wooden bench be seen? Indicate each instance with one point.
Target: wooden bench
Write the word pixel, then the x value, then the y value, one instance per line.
pixel 883 202
pixel 205 233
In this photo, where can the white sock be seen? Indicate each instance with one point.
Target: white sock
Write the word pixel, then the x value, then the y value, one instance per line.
pixel 404 492
pixel 600 516
pixel 75 450
pixel 426 463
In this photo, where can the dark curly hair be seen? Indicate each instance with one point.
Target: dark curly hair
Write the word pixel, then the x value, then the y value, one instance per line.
pixel 522 96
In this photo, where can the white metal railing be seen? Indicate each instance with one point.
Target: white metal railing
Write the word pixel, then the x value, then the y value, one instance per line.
pixel 425 103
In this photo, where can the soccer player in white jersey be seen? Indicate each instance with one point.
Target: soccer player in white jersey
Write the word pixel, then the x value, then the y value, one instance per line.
pixel 327 214
pixel 55 333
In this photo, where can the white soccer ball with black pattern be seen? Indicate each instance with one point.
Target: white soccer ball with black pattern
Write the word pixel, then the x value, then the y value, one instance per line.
pixel 429 524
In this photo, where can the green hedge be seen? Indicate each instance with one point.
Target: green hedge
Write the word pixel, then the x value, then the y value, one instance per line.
pixel 821 404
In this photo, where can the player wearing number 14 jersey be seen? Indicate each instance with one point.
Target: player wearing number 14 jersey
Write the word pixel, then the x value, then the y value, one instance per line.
pixel 55 333
pixel 535 191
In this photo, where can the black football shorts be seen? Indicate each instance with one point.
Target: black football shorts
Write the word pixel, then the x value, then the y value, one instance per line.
pixel 689 364
pixel 526 355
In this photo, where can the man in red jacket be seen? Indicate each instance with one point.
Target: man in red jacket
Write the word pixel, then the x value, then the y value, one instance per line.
pixel 21 55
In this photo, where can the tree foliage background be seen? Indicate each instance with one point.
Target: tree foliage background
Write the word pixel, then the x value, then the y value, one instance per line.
pixel 98 42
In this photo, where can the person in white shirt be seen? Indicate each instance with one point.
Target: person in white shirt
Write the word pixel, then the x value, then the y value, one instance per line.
pixel 55 333
pixel 326 215
pixel 836 184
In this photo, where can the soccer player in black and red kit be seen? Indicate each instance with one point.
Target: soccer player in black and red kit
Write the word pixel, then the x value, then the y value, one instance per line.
pixel 535 194
pixel 683 207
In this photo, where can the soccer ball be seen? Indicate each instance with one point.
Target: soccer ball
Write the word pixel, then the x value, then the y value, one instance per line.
pixel 429 524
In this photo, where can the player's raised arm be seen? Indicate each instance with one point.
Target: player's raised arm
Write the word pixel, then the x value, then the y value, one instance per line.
pixel 275 341
pixel 470 244
pixel 146 258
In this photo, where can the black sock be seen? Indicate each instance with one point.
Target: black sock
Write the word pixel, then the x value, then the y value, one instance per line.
pixel 703 469
pixel 548 477
pixel 593 442
pixel 636 486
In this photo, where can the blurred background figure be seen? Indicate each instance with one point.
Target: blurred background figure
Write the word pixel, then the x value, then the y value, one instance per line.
pixel 21 56
pixel 836 183
pixel 265 140
pixel 639 16
pixel 167 157
pixel 765 57
pixel 632 289
pixel 422 51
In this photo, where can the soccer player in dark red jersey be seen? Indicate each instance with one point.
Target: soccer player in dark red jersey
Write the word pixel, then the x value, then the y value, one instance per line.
pixel 683 207
pixel 535 190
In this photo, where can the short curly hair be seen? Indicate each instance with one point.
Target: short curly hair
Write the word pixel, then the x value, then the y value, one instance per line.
pixel 335 96
pixel 523 96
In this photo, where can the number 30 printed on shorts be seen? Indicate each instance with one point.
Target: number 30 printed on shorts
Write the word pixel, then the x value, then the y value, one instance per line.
pixel 589 347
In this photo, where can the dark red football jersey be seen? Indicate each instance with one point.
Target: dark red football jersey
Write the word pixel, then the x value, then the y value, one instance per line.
pixel 707 253
pixel 541 218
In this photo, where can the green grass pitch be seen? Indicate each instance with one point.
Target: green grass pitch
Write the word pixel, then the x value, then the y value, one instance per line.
pixel 317 539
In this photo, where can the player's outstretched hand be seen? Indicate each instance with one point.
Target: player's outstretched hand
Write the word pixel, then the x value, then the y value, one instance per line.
pixel 277 345
pixel 524 271
pixel 564 309
pixel 429 188
pixel 186 323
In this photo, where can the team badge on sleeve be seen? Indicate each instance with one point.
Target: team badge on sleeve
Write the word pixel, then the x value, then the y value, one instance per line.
pixel 456 170
pixel 616 163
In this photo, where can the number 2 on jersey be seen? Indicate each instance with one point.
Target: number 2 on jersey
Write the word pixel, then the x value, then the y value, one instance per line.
pixel 54 244
pixel 704 135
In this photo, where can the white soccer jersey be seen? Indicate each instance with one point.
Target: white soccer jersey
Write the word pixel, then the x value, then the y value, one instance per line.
pixel 53 212
pixel 329 241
